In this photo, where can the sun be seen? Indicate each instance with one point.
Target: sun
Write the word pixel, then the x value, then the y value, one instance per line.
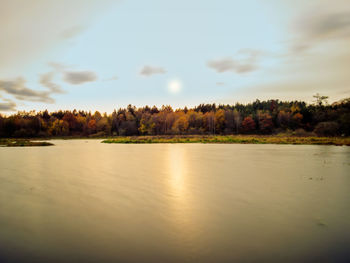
pixel 174 86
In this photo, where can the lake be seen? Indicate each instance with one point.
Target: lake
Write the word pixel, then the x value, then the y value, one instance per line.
pixel 85 201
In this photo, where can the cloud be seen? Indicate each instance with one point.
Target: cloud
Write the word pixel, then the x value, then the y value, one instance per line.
pixel 220 84
pixel 46 81
pixel 18 89
pixel 69 75
pixel 72 32
pixel 150 70
pixel 230 65
pixel 79 77
pixel 246 61
pixel 323 25
pixel 301 78
pixel 7 106
pixel 30 28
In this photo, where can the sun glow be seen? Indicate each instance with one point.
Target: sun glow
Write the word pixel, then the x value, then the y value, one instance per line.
pixel 174 86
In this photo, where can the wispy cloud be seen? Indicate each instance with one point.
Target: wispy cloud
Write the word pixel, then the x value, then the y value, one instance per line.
pixel 151 70
pixel 69 75
pixel 321 26
pixel 246 61
pixel 79 77
pixel 29 27
pixel 8 105
pixel 18 89
pixel 47 81
pixel 304 75
pixel 230 65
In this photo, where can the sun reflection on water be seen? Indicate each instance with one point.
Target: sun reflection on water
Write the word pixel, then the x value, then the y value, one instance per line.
pixel 181 204
pixel 177 172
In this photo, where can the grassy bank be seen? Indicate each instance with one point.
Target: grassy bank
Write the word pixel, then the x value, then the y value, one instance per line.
pixel 22 143
pixel 254 139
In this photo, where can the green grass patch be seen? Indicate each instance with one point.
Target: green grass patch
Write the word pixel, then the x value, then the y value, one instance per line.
pixel 227 139
pixel 22 143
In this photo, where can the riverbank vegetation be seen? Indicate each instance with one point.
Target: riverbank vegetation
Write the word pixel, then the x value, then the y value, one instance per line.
pixel 247 139
pixel 269 117
pixel 22 143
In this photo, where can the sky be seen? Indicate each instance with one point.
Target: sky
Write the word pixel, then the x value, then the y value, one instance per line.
pixel 106 54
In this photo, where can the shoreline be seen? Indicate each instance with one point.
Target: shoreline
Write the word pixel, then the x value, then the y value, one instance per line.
pixel 232 139
pixel 205 139
pixel 23 143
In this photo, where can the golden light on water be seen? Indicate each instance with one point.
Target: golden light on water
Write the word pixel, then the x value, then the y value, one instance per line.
pixel 177 172
pixel 181 206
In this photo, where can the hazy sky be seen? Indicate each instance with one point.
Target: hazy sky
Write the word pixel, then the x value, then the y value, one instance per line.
pixel 104 54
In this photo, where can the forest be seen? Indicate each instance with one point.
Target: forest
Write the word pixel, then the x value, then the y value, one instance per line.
pixel 259 117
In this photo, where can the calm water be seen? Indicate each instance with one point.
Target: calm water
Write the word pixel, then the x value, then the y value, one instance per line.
pixel 83 201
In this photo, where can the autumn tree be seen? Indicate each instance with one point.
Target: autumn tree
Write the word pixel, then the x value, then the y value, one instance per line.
pixel 265 123
pixel 195 122
pixel 258 117
pixel 237 120
pixel 284 119
pixel 297 120
pixel 209 122
pixel 248 125
pixel 59 128
pixel 147 124
pixel 92 126
pixel 181 124
pixel 219 121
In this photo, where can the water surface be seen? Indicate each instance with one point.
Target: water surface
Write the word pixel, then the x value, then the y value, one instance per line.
pixel 84 201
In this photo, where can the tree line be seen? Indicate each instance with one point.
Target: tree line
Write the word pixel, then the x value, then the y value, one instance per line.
pixel 258 117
